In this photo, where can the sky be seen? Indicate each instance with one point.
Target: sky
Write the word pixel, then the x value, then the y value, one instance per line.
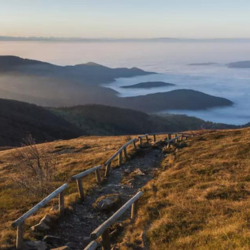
pixel 125 18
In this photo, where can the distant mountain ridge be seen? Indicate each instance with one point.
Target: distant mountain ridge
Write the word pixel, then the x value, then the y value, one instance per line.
pixel 203 64
pixel 181 99
pixel 146 85
pixel 18 119
pixel 105 40
pixel 51 85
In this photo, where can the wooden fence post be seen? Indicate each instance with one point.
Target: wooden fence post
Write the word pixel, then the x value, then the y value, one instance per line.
pixel 140 141
pixel 125 152
pixel 61 203
pixel 19 236
pixel 80 188
pixel 120 159
pixel 98 177
pixel 154 138
pixel 107 170
pixel 147 138
pixel 106 240
pixel 134 142
pixel 169 137
pixel 133 210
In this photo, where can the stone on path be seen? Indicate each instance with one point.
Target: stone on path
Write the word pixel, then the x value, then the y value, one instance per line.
pixel 71 245
pixel 35 245
pixel 43 225
pixel 138 172
pixel 50 239
pixel 40 227
pixel 107 202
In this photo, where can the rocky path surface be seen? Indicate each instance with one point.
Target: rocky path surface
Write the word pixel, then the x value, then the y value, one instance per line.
pixel 125 181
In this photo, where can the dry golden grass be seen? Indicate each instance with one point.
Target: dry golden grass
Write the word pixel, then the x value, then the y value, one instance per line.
pixel 74 156
pixel 201 198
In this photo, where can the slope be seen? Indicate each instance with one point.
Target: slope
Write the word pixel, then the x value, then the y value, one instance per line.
pixel 17 119
pixel 107 120
pixel 200 199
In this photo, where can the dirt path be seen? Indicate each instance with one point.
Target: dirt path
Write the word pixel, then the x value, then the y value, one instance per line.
pixel 125 181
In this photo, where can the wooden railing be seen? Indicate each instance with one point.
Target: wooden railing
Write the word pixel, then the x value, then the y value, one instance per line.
pixel 92 245
pixel 141 138
pixel 20 222
pixel 102 230
pixel 119 154
pixel 78 178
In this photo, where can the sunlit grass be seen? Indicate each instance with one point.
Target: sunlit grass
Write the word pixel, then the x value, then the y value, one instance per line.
pixel 73 156
pixel 202 199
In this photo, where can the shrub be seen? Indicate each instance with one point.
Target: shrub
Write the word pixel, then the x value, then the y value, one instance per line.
pixel 35 168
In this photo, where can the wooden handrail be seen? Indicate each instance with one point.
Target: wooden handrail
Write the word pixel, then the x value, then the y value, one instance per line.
pixel 39 205
pixel 142 136
pixel 174 139
pixel 105 225
pixel 120 150
pixel 20 222
pixel 119 154
pixel 92 245
pixel 163 133
pixel 130 142
pixel 85 173
pixel 114 156
pixel 78 178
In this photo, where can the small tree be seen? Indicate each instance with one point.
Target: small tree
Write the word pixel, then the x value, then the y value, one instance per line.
pixel 36 168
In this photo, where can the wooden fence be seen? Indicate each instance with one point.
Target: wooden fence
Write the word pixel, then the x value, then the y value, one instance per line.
pixel 119 154
pixel 20 222
pixel 78 178
pixel 141 138
pixel 103 229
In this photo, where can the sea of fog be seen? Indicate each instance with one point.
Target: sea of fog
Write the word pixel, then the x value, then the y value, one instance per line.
pixel 169 60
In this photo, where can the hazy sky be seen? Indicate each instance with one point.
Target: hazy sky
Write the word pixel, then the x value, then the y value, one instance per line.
pixel 126 18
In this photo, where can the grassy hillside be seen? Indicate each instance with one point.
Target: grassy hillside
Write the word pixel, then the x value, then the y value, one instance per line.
pixel 200 199
pixel 17 119
pixel 72 156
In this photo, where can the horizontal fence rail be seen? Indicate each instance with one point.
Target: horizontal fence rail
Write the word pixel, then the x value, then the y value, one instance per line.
pixel 119 154
pixel 141 138
pixel 102 230
pixel 78 178
pixel 92 245
pixel 20 222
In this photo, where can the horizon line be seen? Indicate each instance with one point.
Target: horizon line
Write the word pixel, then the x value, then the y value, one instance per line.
pixel 107 39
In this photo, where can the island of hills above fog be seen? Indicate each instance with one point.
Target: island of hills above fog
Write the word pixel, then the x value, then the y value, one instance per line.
pixel 51 85
pixel 203 64
pixel 240 64
pixel 148 85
